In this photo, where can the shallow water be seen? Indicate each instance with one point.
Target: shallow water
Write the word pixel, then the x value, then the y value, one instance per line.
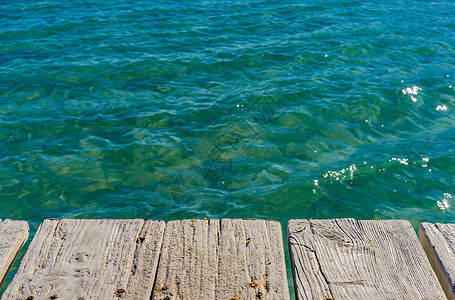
pixel 239 109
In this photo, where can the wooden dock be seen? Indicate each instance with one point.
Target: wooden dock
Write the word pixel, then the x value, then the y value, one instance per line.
pixel 229 259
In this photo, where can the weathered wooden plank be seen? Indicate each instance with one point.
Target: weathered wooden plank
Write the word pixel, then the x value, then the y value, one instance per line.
pixel 309 281
pixel 145 261
pixel 13 235
pixel 349 259
pixel 89 259
pixel 222 259
pixel 438 241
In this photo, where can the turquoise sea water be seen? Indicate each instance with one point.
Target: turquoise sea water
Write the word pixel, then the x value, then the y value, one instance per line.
pixel 242 109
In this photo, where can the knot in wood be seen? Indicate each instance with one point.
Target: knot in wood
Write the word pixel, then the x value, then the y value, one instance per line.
pixel 120 292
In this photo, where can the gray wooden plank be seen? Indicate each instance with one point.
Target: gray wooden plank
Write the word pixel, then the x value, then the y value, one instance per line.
pixel 222 259
pixel 309 281
pixel 145 260
pixel 89 259
pixel 13 235
pixel 438 241
pixel 349 259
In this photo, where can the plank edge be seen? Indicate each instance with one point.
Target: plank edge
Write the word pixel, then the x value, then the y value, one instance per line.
pixel 435 260
pixel 22 238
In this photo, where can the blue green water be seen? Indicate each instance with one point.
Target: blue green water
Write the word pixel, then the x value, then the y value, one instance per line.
pixel 242 109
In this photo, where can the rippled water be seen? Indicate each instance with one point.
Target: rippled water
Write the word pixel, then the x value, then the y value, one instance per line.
pixel 251 109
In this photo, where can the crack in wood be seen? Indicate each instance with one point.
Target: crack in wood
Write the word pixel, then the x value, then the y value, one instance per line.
pixel 319 264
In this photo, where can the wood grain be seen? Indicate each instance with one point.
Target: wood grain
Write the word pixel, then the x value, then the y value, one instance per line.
pixel 13 235
pixel 349 259
pixel 438 241
pixel 222 259
pixel 309 281
pixel 89 259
